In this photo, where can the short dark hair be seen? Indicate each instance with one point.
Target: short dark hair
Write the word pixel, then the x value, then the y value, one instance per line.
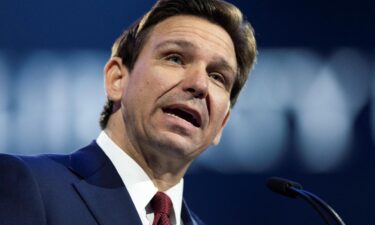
pixel 131 41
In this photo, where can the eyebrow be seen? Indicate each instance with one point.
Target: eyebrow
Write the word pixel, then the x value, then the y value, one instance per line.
pixel 219 61
pixel 222 63
pixel 179 43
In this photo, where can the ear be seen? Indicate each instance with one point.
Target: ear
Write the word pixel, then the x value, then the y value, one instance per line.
pixel 116 75
pixel 218 135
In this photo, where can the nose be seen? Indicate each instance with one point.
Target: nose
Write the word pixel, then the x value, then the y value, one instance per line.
pixel 196 82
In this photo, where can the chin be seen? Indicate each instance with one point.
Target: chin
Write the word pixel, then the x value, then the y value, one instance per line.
pixel 179 147
pixel 172 143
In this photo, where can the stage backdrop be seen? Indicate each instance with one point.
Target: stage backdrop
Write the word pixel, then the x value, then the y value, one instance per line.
pixel 307 112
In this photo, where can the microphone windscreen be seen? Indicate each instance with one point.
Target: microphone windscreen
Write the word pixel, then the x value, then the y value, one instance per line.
pixel 283 186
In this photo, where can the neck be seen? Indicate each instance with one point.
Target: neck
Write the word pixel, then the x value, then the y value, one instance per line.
pixel 165 171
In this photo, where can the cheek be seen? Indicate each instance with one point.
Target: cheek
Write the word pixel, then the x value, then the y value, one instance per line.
pixel 141 86
pixel 219 109
pixel 163 81
pixel 146 87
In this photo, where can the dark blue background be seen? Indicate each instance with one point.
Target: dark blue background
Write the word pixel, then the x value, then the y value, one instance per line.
pixel 70 24
pixel 231 198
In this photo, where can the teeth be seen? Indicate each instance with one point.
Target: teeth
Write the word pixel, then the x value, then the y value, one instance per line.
pixel 175 116
pixel 182 115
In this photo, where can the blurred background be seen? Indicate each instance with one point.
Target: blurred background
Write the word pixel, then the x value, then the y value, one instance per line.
pixel 307 112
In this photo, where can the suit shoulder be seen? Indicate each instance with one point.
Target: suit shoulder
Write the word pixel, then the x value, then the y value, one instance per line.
pixel 22 167
pixel 38 162
pixel 20 199
pixel 44 169
pixel 10 164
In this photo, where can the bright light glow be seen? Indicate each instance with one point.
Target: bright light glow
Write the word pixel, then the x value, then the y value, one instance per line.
pixel 57 98
pixel 88 92
pixel 352 72
pixel 4 97
pixel 323 124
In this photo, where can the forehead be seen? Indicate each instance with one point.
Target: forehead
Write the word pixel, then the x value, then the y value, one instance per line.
pixel 201 33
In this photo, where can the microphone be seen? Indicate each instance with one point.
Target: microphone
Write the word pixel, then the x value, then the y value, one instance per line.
pixel 293 189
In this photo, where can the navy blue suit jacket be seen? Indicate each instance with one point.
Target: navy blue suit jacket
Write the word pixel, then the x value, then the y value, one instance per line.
pixel 83 188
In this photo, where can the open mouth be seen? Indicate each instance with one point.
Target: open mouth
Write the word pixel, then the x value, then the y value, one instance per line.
pixel 185 114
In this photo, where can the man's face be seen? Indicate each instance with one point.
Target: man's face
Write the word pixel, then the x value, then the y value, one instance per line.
pixel 176 100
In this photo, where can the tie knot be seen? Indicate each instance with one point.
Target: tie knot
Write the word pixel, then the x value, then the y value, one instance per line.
pixel 161 203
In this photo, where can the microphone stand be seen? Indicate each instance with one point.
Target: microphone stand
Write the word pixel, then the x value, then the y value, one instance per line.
pixel 292 189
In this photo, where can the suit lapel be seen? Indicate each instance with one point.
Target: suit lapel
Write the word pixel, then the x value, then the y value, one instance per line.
pixel 110 206
pixel 188 217
pixel 102 188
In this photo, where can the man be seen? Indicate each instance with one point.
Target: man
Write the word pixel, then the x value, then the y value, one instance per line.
pixel 171 81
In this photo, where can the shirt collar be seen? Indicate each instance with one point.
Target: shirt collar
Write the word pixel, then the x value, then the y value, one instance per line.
pixel 139 185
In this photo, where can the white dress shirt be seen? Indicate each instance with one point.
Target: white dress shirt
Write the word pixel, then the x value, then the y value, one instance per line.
pixel 139 185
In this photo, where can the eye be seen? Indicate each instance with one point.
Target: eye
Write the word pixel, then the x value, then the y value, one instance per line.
pixel 218 77
pixel 174 58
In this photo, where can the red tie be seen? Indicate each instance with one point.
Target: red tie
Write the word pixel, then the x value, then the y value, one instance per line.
pixel 162 205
